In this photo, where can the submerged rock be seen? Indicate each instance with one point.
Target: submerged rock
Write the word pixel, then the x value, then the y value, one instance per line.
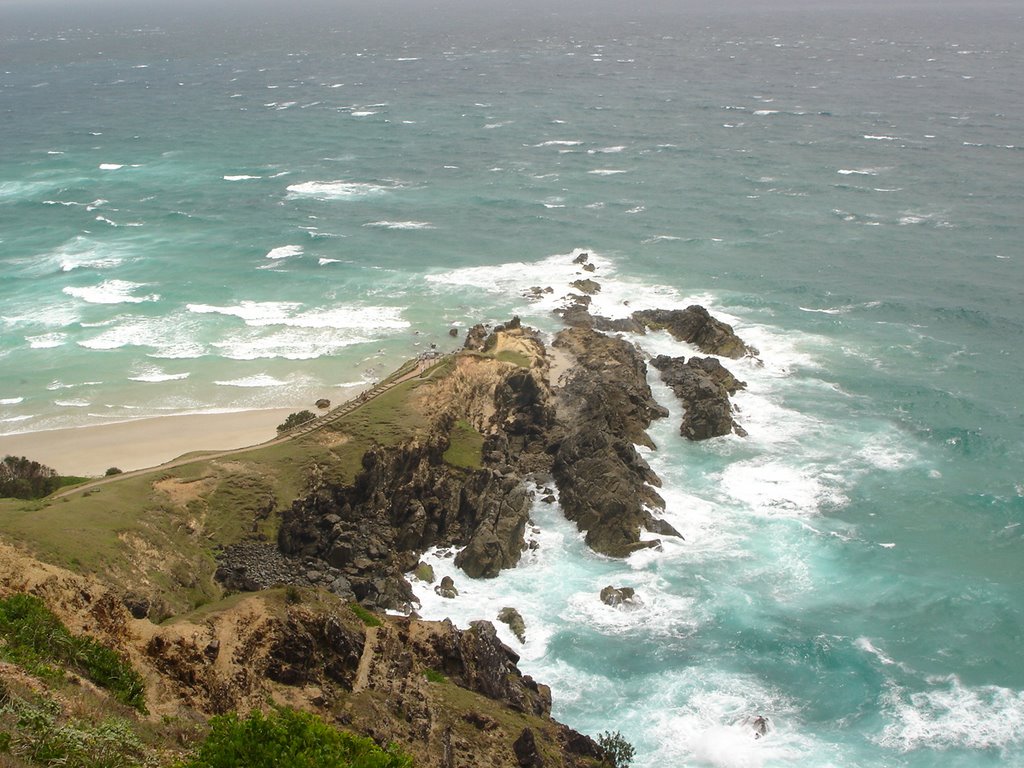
pixel 616 596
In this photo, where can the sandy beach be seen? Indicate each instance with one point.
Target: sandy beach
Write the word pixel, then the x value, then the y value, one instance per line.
pixel 143 443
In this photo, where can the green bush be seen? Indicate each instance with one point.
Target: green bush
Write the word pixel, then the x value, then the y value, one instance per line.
pixel 22 478
pixel 286 737
pixel 36 639
pixel 618 753
pixel 295 419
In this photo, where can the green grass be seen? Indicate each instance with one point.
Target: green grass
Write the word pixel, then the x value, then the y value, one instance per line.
pixel 138 538
pixel 365 616
pixel 516 358
pixel 465 447
pixel 36 639
pixel 434 676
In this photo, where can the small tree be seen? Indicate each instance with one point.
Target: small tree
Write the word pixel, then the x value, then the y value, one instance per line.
pixel 295 419
pixel 618 753
pixel 22 478
pixel 113 471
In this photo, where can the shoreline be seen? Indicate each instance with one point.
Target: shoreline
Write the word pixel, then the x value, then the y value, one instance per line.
pixel 143 443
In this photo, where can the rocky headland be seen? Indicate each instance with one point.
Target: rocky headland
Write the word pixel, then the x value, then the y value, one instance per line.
pixel 311 544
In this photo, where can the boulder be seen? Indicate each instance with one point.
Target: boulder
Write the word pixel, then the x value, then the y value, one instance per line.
pixel 453 332
pixel 447 588
pixel 526 752
pixel 425 572
pixel 514 620
pixel 323 403
pixel 616 596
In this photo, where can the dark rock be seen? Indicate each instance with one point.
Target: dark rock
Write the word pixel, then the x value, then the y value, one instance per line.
pixel 447 588
pixel 525 749
pixel 514 620
pixel 548 499
pixel 604 484
pixel 703 385
pixel 323 403
pixel 476 659
pixel 137 605
pixel 583 258
pixel 453 332
pixel 577 743
pixel 615 596
pixel 587 286
pixel 696 326
pixel 497 541
pixel 476 337
pixel 589 267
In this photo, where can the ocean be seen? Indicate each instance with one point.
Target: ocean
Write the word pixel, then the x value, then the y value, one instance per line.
pixel 257 207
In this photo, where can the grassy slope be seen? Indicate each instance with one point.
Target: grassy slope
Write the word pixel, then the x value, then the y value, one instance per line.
pixel 156 533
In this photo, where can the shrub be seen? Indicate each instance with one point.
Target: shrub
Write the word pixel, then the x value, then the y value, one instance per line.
pixel 35 639
pixel 113 471
pixel 286 737
pixel 618 753
pixel 22 478
pixel 295 419
pixel 42 735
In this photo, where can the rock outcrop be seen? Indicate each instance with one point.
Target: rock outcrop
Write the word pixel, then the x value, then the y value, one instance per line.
pixel 605 407
pixel 703 384
pixel 696 326
pixel 618 596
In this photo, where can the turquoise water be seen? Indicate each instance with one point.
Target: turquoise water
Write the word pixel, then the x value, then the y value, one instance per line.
pixel 262 209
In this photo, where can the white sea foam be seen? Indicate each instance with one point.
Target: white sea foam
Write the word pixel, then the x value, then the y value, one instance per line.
pixel 558 143
pixel 46 340
pixel 400 224
pixel 606 172
pixel 607 150
pixel 858 171
pixel 110 292
pixel 11 400
pixel 57 385
pixel 289 344
pixel 322 261
pixel 155 375
pixel 15 419
pixel 242 177
pixel 363 113
pixel 266 313
pixel 950 715
pixel 260 380
pixel 72 403
pixel 765 112
pixel 111 166
pixel 284 252
pixel 340 190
